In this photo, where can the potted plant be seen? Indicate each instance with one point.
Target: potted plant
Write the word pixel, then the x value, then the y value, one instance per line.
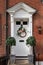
pixel 31 41
pixel 10 43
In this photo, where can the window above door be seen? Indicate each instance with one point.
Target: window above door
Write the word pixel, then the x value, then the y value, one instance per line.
pixel 19 22
pixel 22 21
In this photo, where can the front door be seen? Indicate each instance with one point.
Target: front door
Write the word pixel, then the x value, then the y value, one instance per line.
pixel 21 33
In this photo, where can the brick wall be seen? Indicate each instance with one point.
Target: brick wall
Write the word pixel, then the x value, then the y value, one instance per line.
pixel 37 21
pixel 2 28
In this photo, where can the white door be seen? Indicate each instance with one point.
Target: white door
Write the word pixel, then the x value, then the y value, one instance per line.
pixel 21 48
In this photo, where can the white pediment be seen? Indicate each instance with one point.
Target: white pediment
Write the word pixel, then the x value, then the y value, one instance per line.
pixel 21 14
pixel 23 6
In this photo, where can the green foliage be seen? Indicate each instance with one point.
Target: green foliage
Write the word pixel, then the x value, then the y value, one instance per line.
pixel 31 40
pixel 20 30
pixel 21 27
pixel 10 41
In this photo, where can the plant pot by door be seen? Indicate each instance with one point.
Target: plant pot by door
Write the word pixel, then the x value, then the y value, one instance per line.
pixel 12 52
pixel 30 49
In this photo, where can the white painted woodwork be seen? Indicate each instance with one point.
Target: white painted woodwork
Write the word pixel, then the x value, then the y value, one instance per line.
pixel 18 12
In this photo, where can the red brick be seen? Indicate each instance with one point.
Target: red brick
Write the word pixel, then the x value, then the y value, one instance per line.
pixel 37 21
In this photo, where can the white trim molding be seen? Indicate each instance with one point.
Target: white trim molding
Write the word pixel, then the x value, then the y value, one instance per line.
pixel 18 12
pixel 21 5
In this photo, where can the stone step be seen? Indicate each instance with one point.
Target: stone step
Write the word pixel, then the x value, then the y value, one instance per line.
pixel 21 61
pixel 21 64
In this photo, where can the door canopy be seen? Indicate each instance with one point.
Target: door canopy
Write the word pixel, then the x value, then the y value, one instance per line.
pixel 21 10
pixel 23 6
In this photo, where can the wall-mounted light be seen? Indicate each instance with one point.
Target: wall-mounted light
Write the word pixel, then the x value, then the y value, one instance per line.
pixel 39 29
pixel 5 26
pixel 41 1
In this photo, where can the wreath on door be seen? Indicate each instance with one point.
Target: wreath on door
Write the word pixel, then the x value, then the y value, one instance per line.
pixel 21 31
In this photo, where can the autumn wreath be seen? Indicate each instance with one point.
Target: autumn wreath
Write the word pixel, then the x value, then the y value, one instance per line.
pixel 21 31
